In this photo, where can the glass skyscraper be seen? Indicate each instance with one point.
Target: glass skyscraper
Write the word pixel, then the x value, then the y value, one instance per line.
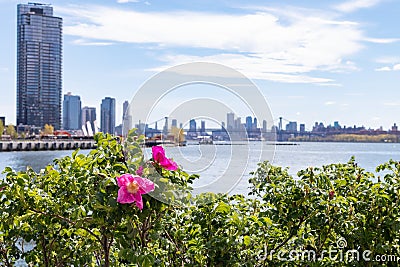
pixel 39 59
pixel 72 112
pixel 107 123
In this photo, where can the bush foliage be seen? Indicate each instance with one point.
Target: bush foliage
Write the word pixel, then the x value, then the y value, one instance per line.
pixel 69 210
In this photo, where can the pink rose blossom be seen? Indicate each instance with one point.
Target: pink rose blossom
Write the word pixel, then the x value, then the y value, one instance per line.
pixel 160 158
pixel 132 188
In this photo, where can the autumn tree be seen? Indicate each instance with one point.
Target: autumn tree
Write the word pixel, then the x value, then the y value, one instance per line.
pixel 1 128
pixel 48 129
pixel 10 130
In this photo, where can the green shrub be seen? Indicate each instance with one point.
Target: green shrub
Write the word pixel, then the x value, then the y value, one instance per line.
pixel 70 211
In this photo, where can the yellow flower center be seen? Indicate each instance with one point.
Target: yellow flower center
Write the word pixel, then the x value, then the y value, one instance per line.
pixel 132 187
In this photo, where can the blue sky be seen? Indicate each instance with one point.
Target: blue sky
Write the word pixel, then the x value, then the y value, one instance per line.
pixel 313 60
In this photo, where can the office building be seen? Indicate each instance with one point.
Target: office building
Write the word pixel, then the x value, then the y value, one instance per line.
pixel 174 123
pixel 39 59
pixel 230 121
pixel 302 128
pixel 249 123
pixel 291 127
pixel 72 112
pixel 89 117
pixel 107 123
pixel 124 110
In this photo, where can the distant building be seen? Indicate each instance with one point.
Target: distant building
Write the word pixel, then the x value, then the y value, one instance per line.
pixel 192 133
pixel 230 121
pixel 291 127
pixel 166 127
pixel 174 123
pixel 192 126
pixel 249 123
pixel 238 124
pixel 107 123
pixel 203 128
pixel 255 124
pixel 39 59
pixel 302 128
pixel 89 115
pixel 72 112
pixel 264 127
pixel 118 130
pixel 124 109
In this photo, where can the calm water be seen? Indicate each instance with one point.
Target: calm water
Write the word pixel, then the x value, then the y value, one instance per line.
pixel 212 162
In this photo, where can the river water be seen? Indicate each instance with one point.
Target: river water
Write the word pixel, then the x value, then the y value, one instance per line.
pixel 213 161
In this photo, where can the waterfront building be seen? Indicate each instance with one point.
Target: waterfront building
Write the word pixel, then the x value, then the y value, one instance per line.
pixel 174 123
pixel 230 121
pixel 125 106
pixel 39 59
pixel 107 115
pixel 249 123
pixel 72 112
pixel 264 127
pixel 302 128
pixel 203 128
pixel 291 127
pixel 255 124
pixel 89 117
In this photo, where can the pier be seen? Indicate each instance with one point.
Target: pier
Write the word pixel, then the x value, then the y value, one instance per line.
pixel 36 145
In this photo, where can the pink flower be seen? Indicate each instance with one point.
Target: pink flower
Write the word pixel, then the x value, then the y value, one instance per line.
pixel 160 158
pixel 139 171
pixel 132 188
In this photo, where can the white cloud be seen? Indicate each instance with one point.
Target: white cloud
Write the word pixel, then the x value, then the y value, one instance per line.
pixel 127 1
pixel 265 44
pixel 395 67
pixel 85 42
pixel 353 5
pixel 4 69
pixel 330 103
pixel 382 40
pixel 383 69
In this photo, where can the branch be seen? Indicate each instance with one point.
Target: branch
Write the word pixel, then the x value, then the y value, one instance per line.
pixel 68 221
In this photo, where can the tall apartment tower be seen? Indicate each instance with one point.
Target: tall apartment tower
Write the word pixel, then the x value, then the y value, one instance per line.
pixel 72 107
pixel 107 123
pixel 39 59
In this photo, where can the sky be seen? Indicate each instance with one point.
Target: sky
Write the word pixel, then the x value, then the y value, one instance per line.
pixel 312 60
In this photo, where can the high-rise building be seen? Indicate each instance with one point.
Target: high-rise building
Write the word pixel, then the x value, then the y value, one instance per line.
pixel 230 121
pixel 174 123
pixel 249 123
pixel 89 115
pixel 72 112
pixel 107 123
pixel 124 110
pixel 192 126
pixel 39 59
pixel 291 127
pixel 203 127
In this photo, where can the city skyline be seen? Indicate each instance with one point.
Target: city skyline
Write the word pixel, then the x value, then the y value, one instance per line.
pixel 313 61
